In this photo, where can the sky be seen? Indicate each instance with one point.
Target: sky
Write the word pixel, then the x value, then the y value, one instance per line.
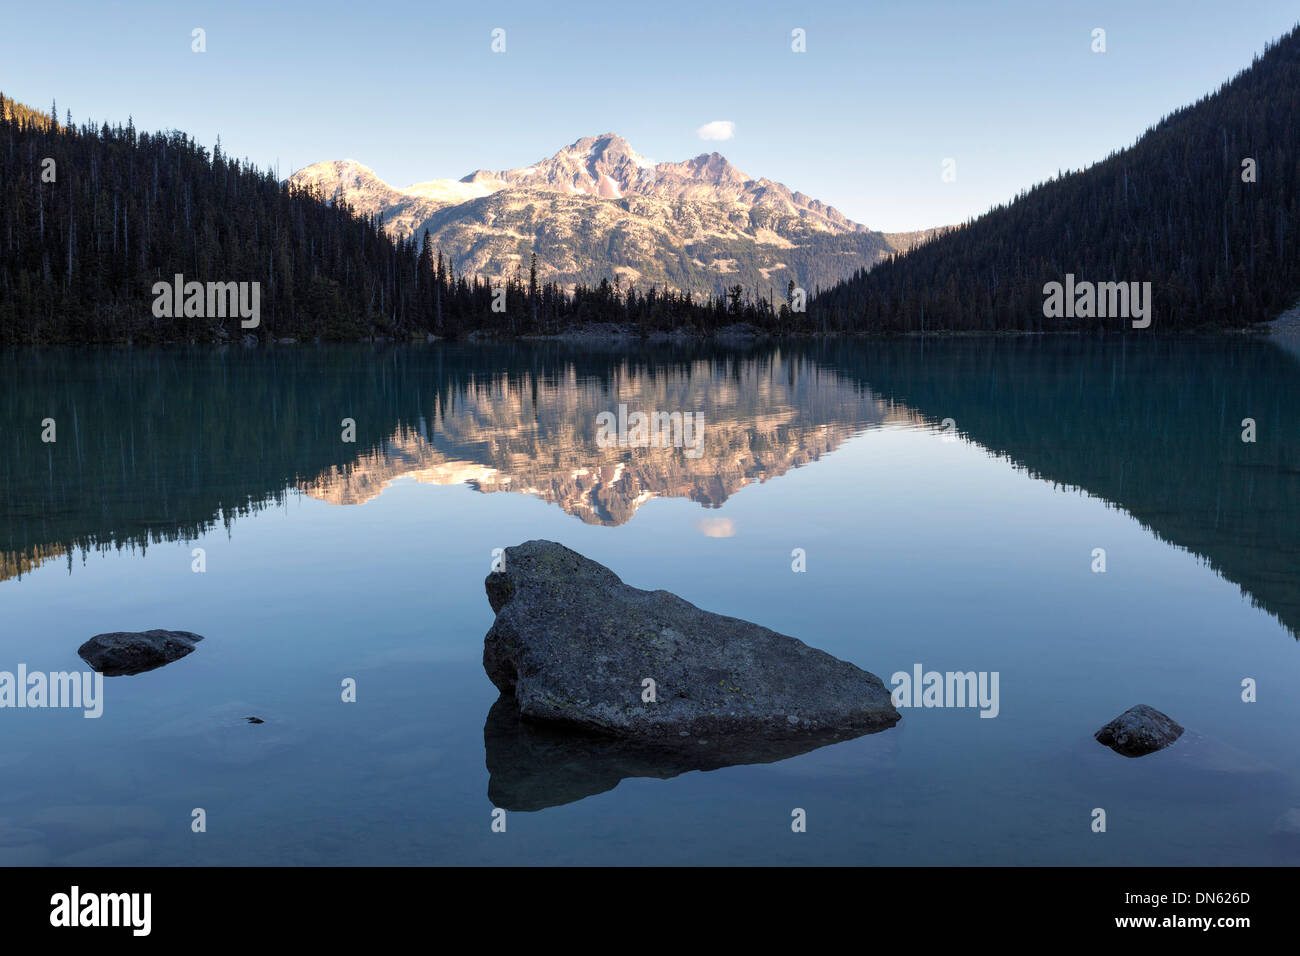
pixel 863 119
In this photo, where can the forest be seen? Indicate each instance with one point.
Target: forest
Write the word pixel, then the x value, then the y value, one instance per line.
pixel 1205 206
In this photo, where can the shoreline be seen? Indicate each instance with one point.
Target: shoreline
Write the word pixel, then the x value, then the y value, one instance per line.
pixel 1285 330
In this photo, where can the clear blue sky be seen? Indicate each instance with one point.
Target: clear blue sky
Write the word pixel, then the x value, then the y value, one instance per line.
pixel 862 120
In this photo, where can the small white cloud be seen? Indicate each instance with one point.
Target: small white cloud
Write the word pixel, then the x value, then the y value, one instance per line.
pixel 717 527
pixel 718 129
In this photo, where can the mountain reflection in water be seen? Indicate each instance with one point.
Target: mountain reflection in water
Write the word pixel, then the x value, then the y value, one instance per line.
pixel 164 445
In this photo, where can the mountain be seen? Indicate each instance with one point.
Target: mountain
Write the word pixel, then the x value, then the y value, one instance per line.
pixel 1205 206
pixel 764 418
pixel 490 416
pixel 598 209
pixel 1072 411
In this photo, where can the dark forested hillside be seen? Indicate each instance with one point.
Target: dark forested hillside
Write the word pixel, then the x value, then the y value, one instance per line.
pixel 1174 210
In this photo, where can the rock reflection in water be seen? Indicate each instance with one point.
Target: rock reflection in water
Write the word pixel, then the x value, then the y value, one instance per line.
pixel 533 766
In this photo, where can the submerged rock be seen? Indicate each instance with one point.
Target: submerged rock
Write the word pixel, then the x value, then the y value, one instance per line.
pixel 1288 824
pixel 575 645
pixel 1196 770
pixel 222 735
pixel 134 652
pixel 1140 730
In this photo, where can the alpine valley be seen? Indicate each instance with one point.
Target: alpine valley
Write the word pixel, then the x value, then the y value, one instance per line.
pixel 599 210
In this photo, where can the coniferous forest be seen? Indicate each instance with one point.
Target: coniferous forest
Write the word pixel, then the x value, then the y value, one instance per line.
pixel 1175 210
pixel 1205 207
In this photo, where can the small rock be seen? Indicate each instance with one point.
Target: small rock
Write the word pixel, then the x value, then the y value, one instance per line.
pixel 134 652
pixel 1139 730
pixel 219 736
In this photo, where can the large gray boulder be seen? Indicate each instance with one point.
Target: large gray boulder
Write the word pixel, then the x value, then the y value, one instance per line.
pixel 134 652
pixel 1139 730
pixel 575 645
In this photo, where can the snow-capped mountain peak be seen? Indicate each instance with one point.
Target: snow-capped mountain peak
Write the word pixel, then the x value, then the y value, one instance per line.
pixel 598 208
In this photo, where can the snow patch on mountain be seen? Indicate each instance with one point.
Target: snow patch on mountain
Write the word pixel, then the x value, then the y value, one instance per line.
pixel 598 208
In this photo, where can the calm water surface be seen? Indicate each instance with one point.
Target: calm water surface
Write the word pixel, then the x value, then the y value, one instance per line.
pixel 959 545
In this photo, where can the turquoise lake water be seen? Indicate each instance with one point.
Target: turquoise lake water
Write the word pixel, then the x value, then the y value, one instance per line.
pixel 948 496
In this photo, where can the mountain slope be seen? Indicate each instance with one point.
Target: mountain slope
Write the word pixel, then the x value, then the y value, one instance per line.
pixel 1174 210
pixel 598 209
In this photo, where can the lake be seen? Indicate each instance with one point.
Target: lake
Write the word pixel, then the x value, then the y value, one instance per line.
pixel 946 498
